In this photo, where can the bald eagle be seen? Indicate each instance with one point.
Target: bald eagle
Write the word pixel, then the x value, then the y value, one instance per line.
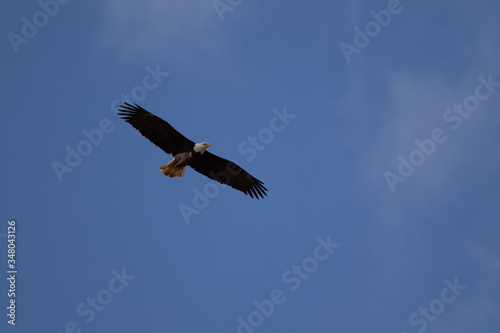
pixel 186 152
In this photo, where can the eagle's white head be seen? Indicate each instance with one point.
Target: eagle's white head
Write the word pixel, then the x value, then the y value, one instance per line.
pixel 201 147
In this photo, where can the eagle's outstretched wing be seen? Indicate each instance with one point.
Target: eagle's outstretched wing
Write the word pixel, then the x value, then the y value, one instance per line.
pixel 229 173
pixel 155 129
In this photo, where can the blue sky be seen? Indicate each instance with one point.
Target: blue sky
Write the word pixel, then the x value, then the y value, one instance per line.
pixel 382 214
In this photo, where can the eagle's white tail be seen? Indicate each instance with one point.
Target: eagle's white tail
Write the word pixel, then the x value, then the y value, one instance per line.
pixel 172 170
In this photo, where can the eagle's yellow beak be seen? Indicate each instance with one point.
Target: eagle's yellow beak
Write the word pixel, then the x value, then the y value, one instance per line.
pixel 209 145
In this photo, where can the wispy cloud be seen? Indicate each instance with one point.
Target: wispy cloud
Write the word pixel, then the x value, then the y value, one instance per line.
pixel 406 104
pixel 154 27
